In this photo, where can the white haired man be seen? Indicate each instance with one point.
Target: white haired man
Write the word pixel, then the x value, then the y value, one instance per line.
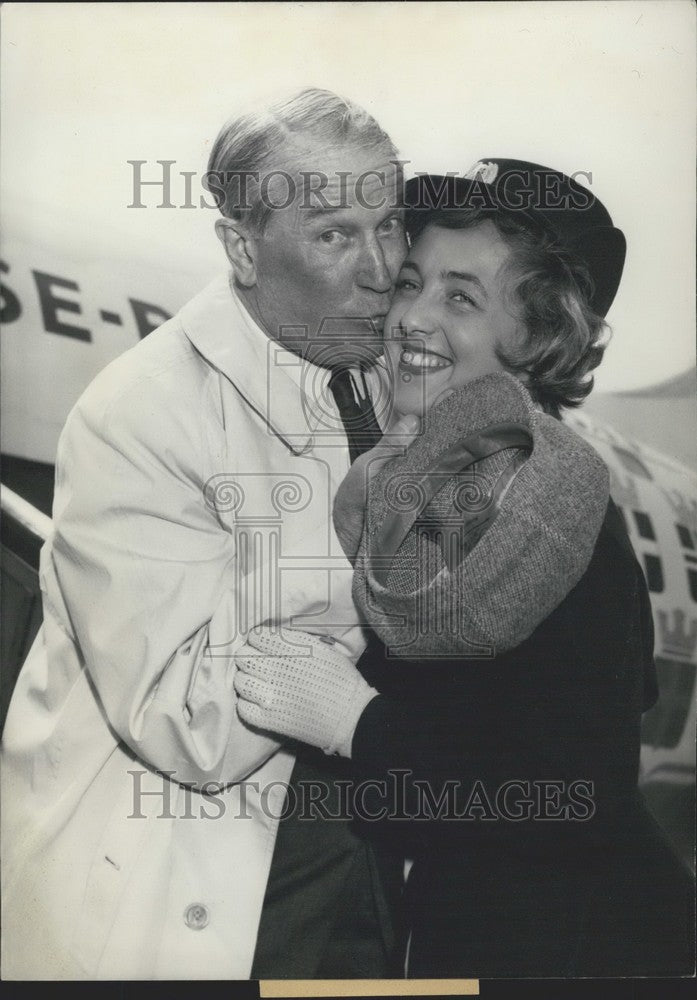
pixel 194 485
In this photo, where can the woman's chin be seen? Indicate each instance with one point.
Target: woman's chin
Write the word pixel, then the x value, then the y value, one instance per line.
pixel 419 395
pixel 410 400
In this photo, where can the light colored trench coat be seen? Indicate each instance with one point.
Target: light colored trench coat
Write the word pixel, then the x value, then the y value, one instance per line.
pixel 193 500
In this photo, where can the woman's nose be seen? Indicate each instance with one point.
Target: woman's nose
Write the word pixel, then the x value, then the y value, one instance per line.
pixel 417 319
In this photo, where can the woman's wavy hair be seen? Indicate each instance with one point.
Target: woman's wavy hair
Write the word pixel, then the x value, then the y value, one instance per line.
pixel 564 338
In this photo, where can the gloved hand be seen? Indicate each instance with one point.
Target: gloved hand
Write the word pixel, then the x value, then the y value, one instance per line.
pixel 297 685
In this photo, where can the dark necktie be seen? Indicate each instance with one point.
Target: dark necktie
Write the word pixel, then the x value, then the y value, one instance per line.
pixel 356 410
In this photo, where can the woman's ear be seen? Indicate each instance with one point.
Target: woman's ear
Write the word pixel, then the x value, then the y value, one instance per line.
pixel 239 249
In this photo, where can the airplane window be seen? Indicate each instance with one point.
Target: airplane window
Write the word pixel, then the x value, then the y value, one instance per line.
pixel 631 462
pixel 644 525
pixel 685 536
pixel 663 725
pixel 654 573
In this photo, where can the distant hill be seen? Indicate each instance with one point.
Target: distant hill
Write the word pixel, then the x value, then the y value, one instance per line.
pixel 679 387
pixel 663 416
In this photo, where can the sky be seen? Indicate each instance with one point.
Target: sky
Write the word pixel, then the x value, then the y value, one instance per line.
pixel 600 87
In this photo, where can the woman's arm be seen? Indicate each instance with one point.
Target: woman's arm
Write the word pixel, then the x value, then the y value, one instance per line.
pixel 563 708
pixel 534 539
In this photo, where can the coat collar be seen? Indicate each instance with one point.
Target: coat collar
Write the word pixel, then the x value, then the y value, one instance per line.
pixel 290 394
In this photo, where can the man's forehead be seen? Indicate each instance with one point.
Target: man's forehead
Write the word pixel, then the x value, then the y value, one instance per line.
pixel 331 179
pixel 344 161
pixel 374 188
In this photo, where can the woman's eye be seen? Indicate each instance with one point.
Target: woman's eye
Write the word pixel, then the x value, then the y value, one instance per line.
pixel 463 297
pixel 405 284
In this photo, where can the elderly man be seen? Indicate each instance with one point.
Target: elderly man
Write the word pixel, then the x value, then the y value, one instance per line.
pixel 194 485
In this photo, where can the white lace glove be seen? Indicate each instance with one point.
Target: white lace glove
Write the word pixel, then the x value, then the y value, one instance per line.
pixel 297 685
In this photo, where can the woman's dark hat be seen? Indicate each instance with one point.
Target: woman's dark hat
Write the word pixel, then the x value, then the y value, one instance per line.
pixel 541 199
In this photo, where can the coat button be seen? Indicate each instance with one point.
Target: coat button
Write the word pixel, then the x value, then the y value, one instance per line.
pixel 196 916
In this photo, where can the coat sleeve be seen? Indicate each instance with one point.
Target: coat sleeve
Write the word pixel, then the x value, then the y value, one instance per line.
pixel 143 579
pixel 563 707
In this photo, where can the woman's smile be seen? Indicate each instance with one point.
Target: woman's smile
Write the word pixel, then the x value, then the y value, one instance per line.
pixel 415 359
pixel 449 316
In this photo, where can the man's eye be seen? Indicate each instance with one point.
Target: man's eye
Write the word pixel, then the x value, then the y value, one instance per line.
pixel 392 225
pixel 332 236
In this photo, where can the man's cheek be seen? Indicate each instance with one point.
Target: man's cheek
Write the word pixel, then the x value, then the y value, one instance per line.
pixel 396 257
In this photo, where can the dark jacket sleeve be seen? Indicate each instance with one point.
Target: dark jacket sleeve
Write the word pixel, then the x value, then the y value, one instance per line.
pixel 563 708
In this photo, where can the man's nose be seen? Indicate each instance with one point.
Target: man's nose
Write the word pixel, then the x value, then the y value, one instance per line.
pixel 373 272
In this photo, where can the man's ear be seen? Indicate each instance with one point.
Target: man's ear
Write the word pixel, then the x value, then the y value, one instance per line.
pixel 239 249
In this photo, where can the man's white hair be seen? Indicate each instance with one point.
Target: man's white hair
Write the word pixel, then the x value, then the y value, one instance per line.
pixel 265 140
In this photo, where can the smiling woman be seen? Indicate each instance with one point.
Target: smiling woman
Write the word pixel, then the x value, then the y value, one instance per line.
pixel 511 645
pixel 449 316
pixel 485 290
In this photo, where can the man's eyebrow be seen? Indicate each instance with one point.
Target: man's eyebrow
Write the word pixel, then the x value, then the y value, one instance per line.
pixel 464 276
pixel 309 214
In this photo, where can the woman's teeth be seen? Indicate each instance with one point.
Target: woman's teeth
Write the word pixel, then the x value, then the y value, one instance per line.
pixel 418 360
